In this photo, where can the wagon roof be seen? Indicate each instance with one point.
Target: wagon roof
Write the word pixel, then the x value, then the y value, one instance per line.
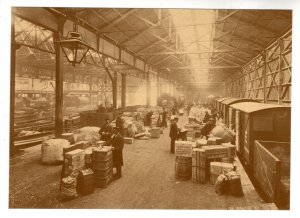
pixel 230 101
pixel 250 107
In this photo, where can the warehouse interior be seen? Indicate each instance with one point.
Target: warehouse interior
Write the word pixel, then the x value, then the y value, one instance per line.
pixel 74 69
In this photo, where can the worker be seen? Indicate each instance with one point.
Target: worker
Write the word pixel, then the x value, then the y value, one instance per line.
pixel 148 118
pixel 182 135
pixel 106 130
pixel 117 144
pixel 164 118
pixel 173 132
pixel 206 117
pixel 119 123
pixel 101 109
pixel 208 127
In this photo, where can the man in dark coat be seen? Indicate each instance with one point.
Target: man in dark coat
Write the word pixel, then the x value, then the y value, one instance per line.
pixel 119 123
pixel 106 130
pixel 206 117
pixel 117 143
pixel 173 133
pixel 148 118
pixel 208 127
pixel 164 118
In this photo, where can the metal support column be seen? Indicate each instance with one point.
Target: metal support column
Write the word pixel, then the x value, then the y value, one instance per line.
pixel 157 86
pixel 114 83
pixel 59 83
pixel 123 100
pixel 264 76
pixel 14 47
pixel 148 89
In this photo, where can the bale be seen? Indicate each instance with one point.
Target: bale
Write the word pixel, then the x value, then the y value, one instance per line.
pixel 88 133
pixel 52 151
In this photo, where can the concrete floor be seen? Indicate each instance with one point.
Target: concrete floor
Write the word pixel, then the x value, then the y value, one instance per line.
pixel 148 182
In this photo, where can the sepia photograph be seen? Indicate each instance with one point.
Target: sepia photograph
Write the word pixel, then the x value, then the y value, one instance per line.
pixel 156 108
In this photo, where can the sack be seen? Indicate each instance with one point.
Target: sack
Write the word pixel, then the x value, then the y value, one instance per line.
pixel 52 151
pixel 234 184
pixel 88 133
pixel 220 185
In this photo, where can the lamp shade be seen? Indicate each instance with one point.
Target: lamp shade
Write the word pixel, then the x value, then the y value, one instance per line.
pixel 74 48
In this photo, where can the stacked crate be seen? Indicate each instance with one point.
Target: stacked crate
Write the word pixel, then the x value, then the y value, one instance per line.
pixel 85 182
pixel 198 165
pixel 190 131
pixel 74 161
pixel 102 166
pixel 155 132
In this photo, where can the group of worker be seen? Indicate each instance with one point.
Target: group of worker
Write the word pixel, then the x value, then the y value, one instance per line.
pixel 114 136
pixel 178 133
pixel 161 121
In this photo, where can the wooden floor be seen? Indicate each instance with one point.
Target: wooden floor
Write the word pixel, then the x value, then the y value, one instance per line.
pixel 148 182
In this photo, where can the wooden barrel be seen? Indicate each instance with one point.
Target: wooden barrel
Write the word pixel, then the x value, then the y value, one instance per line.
pixel 68 136
pixel 183 168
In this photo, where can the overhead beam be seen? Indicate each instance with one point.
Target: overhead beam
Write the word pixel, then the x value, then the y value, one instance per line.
pixel 227 16
pixel 228 61
pixel 203 67
pixel 194 52
pixel 151 45
pixel 142 33
pixel 119 19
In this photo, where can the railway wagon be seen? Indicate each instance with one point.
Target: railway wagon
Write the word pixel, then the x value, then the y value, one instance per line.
pixel 219 105
pixel 259 121
pixel 227 111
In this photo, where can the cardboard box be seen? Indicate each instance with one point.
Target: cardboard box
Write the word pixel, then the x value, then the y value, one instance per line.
pixel 183 148
pixel 128 140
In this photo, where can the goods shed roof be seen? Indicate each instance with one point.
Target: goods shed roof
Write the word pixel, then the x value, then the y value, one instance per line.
pixel 197 48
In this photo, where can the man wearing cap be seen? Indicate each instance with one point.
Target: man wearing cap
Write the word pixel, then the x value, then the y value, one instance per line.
pixel 106 130
pixel 208 127
pixel 119 123
pixel 173 132
pixel 117 143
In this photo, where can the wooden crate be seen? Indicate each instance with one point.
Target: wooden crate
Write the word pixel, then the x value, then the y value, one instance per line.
pixel 271 164
pixel 73 161
pixel 183 148
pixel 128 140
pixel 155 132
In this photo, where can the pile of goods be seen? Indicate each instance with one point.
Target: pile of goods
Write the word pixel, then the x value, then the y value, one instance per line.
pixel 197 114
pixel 213 161
pixel 88 133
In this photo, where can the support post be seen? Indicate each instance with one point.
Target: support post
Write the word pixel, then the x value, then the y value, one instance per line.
pixel 264 76
pixel 148 89
pixel 123 100
pixel 59 83
pixel 157 86
pixel 14 48
pixel 115 90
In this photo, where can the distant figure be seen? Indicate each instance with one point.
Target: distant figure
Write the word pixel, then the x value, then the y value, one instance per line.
pixel 117 143
pixel 206 117
pixel 173 110
pixel 148 118
pixel 164 118
pixel 101 109
pixel 106 131
pixel 173 132
pixel 119 123
pixel 208 127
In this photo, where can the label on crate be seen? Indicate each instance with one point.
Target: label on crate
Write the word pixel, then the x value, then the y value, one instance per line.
pixel 183 148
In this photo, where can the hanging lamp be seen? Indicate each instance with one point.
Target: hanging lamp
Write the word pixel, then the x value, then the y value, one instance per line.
pixel 73 46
